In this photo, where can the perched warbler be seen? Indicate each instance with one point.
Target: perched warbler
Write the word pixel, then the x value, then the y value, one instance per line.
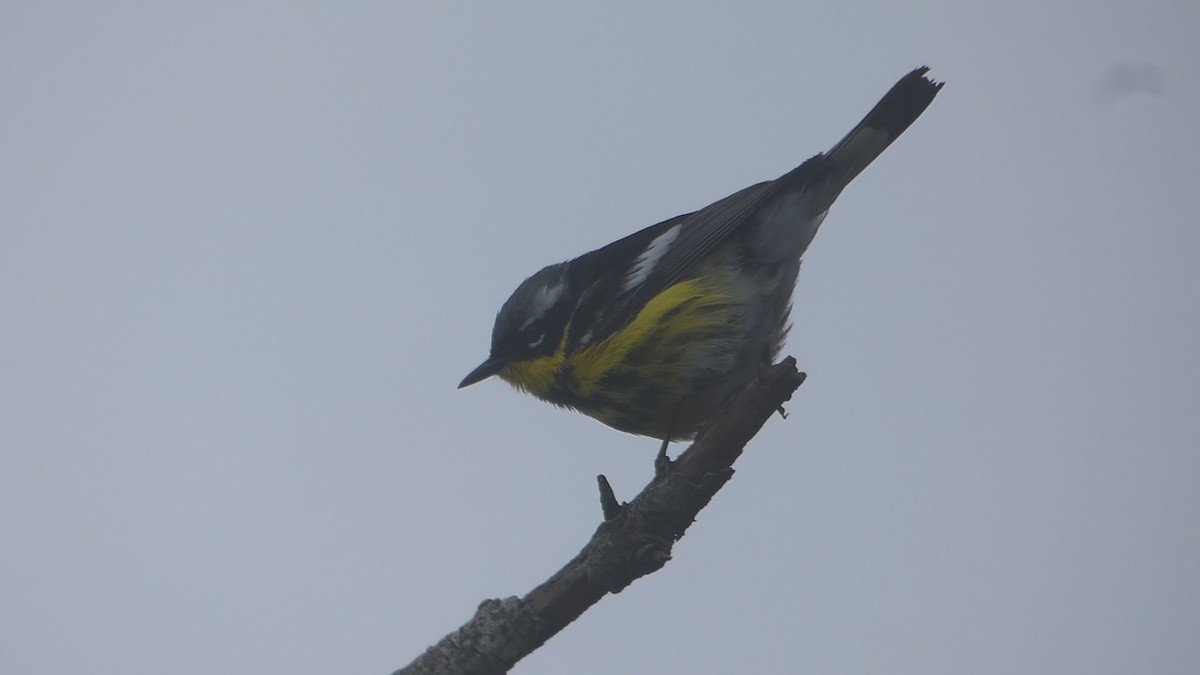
pixel 651 333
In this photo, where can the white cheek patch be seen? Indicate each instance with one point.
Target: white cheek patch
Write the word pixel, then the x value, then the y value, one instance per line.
pixel 649 258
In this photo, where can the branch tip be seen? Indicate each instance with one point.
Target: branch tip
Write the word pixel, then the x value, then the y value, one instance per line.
pixel 609 505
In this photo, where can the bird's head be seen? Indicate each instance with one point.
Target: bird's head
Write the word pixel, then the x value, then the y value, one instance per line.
pixel 528 332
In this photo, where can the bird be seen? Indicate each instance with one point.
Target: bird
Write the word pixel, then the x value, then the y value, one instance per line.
pixel 652 333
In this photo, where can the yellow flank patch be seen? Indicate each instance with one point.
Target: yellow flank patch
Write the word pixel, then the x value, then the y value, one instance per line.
pixel 664 346
pixel 688 307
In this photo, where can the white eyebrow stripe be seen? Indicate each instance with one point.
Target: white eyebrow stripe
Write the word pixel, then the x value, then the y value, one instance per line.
pixel 542 302
pixel 649 258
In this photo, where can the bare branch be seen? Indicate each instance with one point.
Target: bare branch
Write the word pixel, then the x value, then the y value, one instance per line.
pixel 634 540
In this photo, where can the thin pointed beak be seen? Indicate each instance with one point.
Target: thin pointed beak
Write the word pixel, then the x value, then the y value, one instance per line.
pixel 484 371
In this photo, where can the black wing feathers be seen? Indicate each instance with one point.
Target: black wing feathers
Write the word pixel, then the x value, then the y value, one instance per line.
pixel 600 277
pixel 704 230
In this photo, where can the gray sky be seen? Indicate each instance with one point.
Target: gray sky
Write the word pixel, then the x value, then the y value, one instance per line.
pixel 247 250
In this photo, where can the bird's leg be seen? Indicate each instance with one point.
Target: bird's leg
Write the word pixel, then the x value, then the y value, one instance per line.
pixel 662 463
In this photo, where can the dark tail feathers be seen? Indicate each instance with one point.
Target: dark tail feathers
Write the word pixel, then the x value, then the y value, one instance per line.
pixel 894 113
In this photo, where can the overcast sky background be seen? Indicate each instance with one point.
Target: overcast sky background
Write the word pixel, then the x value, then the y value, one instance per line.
pixel 247 250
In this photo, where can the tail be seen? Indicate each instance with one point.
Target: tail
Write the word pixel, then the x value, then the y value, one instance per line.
pixel 894 113
pixel 822 178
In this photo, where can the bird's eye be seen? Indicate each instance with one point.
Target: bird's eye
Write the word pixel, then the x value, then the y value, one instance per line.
pixel 534 333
